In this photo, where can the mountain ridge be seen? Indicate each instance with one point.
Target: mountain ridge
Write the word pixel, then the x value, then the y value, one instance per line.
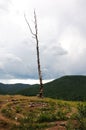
pixel 66 88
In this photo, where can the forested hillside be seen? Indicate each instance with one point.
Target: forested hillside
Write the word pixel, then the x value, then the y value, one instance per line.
pixel 66 88
pixel 12 88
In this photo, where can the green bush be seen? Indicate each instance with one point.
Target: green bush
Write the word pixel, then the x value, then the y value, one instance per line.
pixel 18 109
pixel 61 115
pixel 30 126
pixel 29 118
pixel 8 113
pixel 81 116
pixel 82 110
pixel 70 126
pixel 47 117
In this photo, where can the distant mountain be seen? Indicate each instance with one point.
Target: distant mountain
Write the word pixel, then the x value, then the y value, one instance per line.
pixel 67 88
pixel 12 88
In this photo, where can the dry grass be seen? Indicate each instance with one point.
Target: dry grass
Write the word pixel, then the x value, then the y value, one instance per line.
pixel 32 113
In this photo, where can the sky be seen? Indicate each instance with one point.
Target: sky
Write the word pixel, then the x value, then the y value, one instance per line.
pixel 61 33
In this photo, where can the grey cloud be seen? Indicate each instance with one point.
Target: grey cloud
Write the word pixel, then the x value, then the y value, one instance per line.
pixel 79 66
pixel 51 59
pixel 10 64
pixel 62 30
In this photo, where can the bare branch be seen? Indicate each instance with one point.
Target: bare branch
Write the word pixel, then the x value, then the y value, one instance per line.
pixel 36 28
pixel 29 25
pixel 34 37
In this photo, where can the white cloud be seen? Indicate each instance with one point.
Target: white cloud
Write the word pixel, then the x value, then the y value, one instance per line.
pixel 25 81
pixel 4 6
pixel 62 41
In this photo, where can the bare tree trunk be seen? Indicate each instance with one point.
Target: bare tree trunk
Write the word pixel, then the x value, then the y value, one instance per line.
pixel 35 35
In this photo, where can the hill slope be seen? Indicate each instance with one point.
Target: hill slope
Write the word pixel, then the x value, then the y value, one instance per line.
pixel 32 113
pixel 67 88
pixel 12 88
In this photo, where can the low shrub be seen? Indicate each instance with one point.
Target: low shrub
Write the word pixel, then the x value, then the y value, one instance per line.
pixel 81 116
pixel 47 117
pixel 61 115
pixel 8 113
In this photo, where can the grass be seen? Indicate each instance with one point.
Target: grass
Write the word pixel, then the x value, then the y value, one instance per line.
pixel 33 113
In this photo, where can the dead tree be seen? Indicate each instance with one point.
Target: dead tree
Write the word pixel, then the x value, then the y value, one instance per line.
pixel 35 35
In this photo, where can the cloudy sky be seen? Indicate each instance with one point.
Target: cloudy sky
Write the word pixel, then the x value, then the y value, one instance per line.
pixel 62 39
